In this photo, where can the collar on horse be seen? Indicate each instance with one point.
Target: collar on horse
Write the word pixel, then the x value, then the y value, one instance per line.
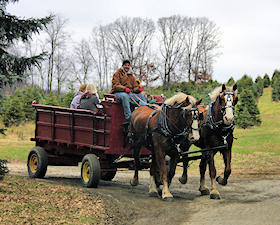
pixel 163 124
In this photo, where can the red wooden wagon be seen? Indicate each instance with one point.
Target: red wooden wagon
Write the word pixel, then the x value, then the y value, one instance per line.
pixel 65 137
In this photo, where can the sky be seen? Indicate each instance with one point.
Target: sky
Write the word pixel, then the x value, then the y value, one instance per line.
pixel 250 29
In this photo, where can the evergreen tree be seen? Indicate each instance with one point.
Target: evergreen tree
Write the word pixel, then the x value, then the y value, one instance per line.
pixel 12 29
pixel 230 82
pixel 266 81
pixel 13 113
pixel 3 168
pixel 276 89
pixel 245 82
pixel 259 85
pixel 275 76
pixel 51 99
pixel 248 104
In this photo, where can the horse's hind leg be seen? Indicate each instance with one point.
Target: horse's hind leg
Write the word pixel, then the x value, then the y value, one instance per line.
pixel 202 167
pixel 136 153
pixel 153 192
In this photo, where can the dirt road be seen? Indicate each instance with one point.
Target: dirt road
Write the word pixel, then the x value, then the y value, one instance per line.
pixel 254 200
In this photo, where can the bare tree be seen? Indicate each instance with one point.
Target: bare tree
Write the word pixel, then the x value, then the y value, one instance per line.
pixel 172 48
pixel 202 42
pixel 101 55
pixel 81 63
pixel 131 39
pixel 56 39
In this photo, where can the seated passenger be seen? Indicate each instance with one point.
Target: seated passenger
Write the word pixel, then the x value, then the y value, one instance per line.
pixel 89 100
pixel 75 102
pixel 125 87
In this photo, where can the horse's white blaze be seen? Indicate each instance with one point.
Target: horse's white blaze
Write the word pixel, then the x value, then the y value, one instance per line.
pixel 195 131
pixel 228 116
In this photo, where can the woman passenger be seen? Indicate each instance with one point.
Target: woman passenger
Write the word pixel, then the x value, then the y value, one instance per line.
pixel 89 99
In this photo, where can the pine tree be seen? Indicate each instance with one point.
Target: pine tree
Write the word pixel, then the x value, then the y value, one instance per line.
pixel 12 29
pixel 266 81
pixel 248 104
pixel 276 89
pixel 51 99
pixel 13 113
pixel 231 81
pixel 259 85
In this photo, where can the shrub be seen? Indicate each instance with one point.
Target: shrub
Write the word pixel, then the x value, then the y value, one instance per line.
pixel 3 168
pixel 266 81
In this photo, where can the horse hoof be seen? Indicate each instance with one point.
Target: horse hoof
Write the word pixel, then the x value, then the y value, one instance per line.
pixel 215 196
pixel 153 194
pixel 221 181
pixel 168 199
pixel 134 183
pixel 205 192
pixel 183 180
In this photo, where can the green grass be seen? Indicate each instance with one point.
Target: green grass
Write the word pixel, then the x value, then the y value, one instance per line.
pixel 16 145
pixel 263 138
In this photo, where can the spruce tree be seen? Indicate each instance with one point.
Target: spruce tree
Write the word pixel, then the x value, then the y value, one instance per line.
pixel 247 103
pixel 231 81
pixel 266 81
pixel 259 85
pixel 12 29
pixel 276 89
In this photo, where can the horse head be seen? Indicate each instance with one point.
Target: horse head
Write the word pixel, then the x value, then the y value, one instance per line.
pixel 227 99
pixel 192 116
pixel 189 114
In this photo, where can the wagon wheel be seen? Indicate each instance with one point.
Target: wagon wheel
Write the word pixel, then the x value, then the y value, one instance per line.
pixel 90 171
pixel 108 175
pixel 37 162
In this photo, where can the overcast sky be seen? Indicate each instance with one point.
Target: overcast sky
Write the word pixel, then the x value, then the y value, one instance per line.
pixel 250 28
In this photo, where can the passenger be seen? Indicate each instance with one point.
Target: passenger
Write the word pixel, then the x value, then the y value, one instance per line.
pixel 89 100
pixel 125 87
pixel 75 102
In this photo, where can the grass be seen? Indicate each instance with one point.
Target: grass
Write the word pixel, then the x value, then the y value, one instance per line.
pixel 266 137
pixel 30 201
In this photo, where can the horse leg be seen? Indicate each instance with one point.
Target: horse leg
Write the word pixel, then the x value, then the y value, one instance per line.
pixel 174 158
pixel 204 190
pixel 214 193
pixel 184 178
pixel 160 159
pixel 153 192
pixel 227 171
pixel 134 181
pixel 184 148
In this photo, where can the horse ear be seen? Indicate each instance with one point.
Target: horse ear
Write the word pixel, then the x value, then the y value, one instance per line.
pixel 234 87
pixel 236 100
pixel 187 101
pixel 198 102
pixel 223 87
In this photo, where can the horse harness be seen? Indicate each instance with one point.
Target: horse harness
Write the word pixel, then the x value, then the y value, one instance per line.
pixel 162 126
pixel 219 126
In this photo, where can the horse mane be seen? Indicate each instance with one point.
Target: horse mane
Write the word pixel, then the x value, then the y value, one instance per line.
pixel 179 98
pixel 216 92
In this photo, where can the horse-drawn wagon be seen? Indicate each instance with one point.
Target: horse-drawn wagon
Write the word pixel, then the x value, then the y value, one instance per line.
pixel 66 137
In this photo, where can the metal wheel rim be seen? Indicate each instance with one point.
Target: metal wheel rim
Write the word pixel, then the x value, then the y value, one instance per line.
pixel 33 163
pixel 86 172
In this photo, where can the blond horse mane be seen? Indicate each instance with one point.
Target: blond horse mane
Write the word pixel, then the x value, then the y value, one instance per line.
pixel 179 98
pixel 216 92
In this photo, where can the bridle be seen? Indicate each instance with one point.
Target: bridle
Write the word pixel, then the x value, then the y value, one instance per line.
pixel 228 98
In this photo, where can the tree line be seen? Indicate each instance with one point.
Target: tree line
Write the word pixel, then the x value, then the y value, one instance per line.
pixel 173 49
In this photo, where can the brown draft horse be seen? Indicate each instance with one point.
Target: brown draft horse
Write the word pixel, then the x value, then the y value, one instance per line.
pixel 160 130
pixel 216 130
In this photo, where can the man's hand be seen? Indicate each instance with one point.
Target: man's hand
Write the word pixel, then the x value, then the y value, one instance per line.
pixel 140 89
pixel 127 90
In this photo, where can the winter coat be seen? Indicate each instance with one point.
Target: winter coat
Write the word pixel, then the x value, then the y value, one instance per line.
pixel 88 101
pixel 75 102
pixel 122 80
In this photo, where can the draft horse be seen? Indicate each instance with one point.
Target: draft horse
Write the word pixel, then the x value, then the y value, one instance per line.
pixel 161 130
pixel 216 130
